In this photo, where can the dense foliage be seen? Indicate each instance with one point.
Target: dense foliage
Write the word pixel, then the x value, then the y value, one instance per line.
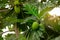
pixel 30 17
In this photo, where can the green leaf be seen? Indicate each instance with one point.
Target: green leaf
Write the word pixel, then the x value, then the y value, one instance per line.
pixel 32 9
pixel 44 11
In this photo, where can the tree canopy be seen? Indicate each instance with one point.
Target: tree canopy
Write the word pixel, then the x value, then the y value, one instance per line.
pixel 30 17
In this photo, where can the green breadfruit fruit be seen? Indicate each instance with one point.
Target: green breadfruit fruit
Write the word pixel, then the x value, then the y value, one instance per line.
pixel 42 27
pixel 16 2
pixel 17 9
pixel 35 25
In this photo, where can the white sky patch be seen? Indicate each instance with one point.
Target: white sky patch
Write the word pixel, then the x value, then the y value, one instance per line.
pixel 39 0
pixel 8 6
pixel 5 29
pixel 55 11
pixel 12 32
pixel 11 26
pixel 47 0
pixel 21 32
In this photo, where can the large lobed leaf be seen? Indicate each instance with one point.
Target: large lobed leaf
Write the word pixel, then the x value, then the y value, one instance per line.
pixel 31 9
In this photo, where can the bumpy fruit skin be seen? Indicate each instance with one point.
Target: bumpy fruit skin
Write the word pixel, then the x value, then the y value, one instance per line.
pixel 35 25
pixel 17 9
pixel 16 2
pixel 42 26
